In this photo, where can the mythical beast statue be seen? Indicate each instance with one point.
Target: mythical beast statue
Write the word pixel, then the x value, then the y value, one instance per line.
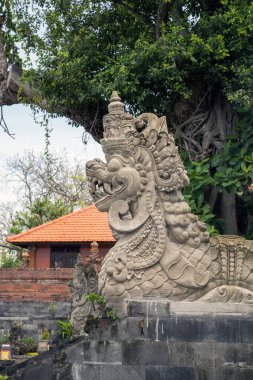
pixel 162 249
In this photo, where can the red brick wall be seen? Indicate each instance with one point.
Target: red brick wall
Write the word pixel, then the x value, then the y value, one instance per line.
pixel 35 284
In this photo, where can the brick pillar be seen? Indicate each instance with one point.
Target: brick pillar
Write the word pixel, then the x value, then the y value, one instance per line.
pixel 32 255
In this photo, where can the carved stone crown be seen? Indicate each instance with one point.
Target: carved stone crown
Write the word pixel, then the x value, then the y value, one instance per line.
pixel 117 123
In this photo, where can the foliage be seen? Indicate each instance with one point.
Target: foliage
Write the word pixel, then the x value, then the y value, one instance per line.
pixel 111 315
pixel 7 211
pixel 3 377
pixel 33 177
pixel 5 339
pixel 82 55
pixel 10 261
pixel 190 60
pixel 41 211
pixel 45 190
pixel 92 297
pixel 230 170
pixel 27 344
pixel 45 334
pixel 65 329
pixel 198 173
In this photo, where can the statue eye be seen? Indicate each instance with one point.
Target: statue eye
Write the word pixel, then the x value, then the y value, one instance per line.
pixel 114 165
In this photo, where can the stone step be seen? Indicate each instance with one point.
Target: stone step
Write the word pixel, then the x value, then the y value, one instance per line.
pixel 232 328
pixel 176 345
pixel 163 308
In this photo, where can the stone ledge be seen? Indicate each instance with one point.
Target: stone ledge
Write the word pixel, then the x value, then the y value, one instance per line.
pixel 163 308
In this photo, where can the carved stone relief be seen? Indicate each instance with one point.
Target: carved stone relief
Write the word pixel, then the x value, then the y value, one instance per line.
pixel 85 281
pixel 162 249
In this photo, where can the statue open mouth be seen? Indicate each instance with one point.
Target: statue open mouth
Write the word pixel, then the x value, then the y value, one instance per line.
pixel 103 185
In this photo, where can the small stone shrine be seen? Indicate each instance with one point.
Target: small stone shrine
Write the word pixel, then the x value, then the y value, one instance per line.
pixel 162 249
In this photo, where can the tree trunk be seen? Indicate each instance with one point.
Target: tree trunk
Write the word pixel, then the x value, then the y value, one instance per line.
pixel 204 134
pixel 228 213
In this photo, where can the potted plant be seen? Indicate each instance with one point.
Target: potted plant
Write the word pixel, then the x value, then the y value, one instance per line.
pixel 44 341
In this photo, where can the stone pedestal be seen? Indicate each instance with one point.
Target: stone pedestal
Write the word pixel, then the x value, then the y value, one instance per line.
pixel 181 341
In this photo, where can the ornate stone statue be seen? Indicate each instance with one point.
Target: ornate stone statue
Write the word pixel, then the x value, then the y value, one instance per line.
pixel 84 282
pixel 94 258
pixel 162 249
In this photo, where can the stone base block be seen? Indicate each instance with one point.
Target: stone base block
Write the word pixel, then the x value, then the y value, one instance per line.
pixel 159 340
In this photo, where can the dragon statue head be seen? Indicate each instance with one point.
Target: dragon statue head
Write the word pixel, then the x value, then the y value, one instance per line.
pixel 162 249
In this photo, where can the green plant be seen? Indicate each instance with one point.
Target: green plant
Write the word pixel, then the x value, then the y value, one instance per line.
pixel 198 173
pixel 65 329
pixel 5 339
pixel 10 261
pixel 45 334
pixel 91 297
pixel 3 377
pixel 111 315
pixel 27 344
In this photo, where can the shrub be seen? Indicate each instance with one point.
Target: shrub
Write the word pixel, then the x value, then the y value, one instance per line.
pixel 27 344
pixel 10 261
pixel 5 339
pixel 65 329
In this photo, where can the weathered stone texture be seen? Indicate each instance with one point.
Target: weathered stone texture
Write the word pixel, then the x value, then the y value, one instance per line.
pixel 176 345
pixel 35 316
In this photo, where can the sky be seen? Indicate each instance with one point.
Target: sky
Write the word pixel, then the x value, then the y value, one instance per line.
pixel 30 136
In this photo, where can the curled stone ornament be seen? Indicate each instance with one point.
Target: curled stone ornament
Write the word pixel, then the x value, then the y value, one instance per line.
pixel 162 249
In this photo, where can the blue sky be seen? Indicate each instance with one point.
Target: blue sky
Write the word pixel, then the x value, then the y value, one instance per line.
pixel 30 136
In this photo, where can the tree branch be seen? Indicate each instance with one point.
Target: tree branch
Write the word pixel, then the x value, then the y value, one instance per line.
pixel 135 13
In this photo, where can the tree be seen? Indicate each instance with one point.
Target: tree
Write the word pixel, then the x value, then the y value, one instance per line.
pixel 50 178
pixel 190 60
pixel 7 212
pixel 46 188
pixel 41 211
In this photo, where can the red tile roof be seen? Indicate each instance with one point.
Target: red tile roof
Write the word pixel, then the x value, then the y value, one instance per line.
pixel 85 225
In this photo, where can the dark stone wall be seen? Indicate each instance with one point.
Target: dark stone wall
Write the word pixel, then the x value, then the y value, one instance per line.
pixel 35 316
pixel 197 343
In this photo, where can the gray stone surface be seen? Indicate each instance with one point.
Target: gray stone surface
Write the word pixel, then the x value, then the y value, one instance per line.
pixel 34 315
pixel 175 346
